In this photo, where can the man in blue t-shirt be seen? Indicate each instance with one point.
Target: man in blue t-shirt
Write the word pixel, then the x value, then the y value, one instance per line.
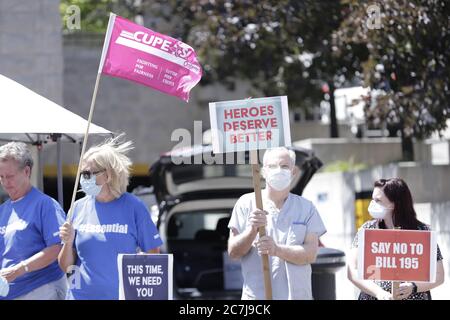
pixel 29 232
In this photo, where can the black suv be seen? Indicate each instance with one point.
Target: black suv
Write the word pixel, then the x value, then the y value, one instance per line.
pixel 195 203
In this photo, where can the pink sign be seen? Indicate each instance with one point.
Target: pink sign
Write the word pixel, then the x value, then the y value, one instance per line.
pixel 139 54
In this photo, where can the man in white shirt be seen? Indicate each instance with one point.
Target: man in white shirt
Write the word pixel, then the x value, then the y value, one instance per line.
pixel 293 228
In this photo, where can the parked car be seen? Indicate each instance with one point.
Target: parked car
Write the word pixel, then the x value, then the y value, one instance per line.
pixel 195 204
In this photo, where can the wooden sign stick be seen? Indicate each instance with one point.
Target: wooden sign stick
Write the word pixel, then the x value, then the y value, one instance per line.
pixel 262 230
pixel 395 285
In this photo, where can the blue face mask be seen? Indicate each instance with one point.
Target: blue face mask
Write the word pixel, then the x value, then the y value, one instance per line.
pixel 89 186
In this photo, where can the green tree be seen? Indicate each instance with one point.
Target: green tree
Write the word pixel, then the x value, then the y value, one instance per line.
pixel 408 64
pixel 282 47
pixel 95 13
pixel 295 48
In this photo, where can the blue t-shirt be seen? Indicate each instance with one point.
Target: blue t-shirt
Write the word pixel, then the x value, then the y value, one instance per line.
pixel 27 226
pixel 103 230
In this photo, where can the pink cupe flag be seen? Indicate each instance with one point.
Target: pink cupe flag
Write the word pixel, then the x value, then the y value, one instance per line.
pixel 155 60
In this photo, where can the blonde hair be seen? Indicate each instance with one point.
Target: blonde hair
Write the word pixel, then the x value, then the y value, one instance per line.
pixel 111 155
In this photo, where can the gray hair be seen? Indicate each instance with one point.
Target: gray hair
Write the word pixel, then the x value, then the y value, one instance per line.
pixel 17 151
pixel 278 151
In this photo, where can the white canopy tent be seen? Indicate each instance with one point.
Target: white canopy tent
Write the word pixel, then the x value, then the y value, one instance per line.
pixel 31 118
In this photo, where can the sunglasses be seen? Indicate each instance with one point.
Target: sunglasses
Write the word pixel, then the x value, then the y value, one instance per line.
pixel 87 174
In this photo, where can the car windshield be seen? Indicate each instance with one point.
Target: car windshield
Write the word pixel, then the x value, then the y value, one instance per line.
pixel 199 225
pixel 188 173
pixel 198 241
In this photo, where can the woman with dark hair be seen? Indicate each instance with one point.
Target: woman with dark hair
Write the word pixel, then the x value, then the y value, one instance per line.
pixel 392 208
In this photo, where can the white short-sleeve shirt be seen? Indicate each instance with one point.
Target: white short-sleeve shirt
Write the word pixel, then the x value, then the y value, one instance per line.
pixel 287 226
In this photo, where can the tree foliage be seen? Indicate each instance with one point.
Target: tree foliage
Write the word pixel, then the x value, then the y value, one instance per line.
pixel 291 47
pixel 282 47
pixel 408 62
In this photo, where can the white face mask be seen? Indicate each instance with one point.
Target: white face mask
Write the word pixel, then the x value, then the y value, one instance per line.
pixel 377 211
pixel 279 179
pixel 89 186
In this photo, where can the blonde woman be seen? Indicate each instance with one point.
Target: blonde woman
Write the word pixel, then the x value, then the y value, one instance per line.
pixel 106 222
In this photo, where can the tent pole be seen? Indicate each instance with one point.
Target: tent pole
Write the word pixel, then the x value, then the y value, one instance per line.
pixel 40 165
pixel 59 174
pixel 36 167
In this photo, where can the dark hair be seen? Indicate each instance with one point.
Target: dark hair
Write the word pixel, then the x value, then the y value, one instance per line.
pixel 397 191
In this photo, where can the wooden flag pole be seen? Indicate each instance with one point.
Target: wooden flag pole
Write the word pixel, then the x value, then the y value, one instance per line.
pixel 262 230
pixel 77 177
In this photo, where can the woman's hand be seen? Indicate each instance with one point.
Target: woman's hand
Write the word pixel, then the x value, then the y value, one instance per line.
pixel 67 233
pixel 404 290
pixel 384 295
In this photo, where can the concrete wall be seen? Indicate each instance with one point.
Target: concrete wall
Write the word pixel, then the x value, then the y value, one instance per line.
pixel 31 45
pixel 370 151
pixel 301 130
pixel 440 150
pixel 428 183
pixel 31 50
pixel 440 222
pixel 333 196
pixel 438 216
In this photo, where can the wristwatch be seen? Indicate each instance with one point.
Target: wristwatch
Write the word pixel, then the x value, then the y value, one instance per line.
pixel 25 266
pixel 414 290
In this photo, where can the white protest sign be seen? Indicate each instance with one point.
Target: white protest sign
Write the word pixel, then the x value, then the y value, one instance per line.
pixel 249 124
